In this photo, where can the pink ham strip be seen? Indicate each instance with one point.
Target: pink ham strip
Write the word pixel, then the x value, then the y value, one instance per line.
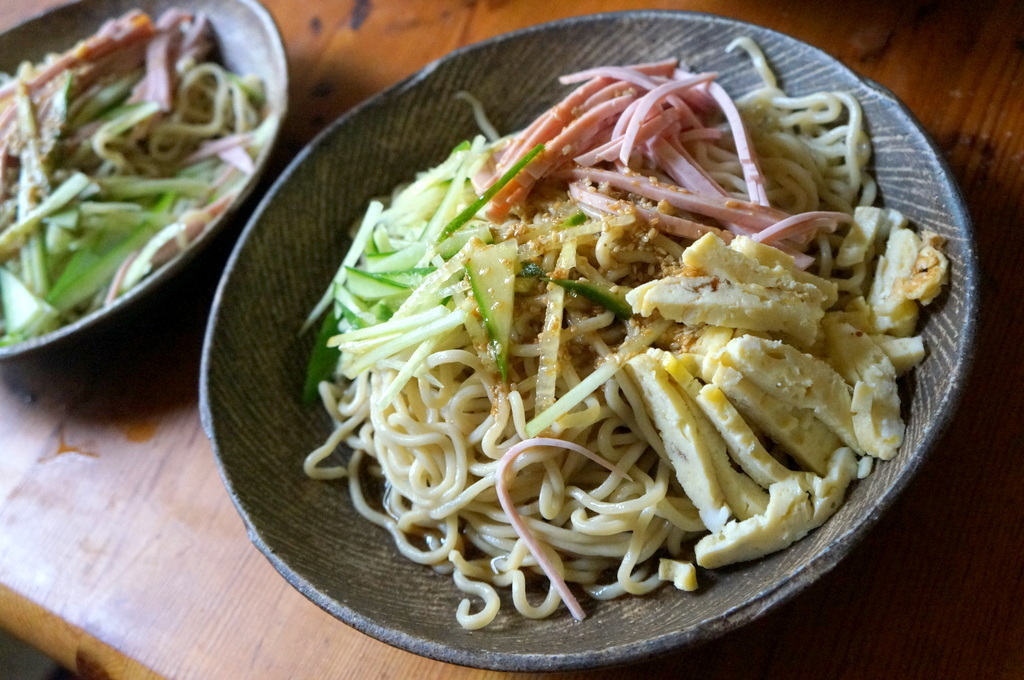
pixel 103 49
pixel 548 124
pixel 115 285
pixel 674 101
pixel 196 44
pixel 610 91
pixel 722 208
pixel 670 224
pixel 557 150
pixel 802 226
pixel 155 85
pixel 744 149
pixel 705 134
pixel 681 167
pixel 801 260
pixel 577 134
pixel 655 68
pixel 161 53
pixel 517 522
pixel 131 28
pixel 648 101
pixel 610 150
pixel 195 224
pixel 215 146
pixel 239 158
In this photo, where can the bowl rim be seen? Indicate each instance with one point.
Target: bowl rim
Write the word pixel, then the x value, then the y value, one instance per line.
pixel 777 592
pixel 95 321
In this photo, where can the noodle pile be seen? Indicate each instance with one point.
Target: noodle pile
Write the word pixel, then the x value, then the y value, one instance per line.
pixel 439 426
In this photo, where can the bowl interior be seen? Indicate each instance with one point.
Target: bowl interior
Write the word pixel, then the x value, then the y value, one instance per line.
pixel 254 358
pixel 247 42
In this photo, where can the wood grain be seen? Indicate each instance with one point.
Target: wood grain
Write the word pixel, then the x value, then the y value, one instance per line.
pixel 120 550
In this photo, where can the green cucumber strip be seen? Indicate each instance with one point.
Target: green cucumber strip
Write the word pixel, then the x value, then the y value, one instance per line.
pixel 62 100
pixel 15 235
pixel 408 277
pixel 361 239
pixel 82 279
pixel 336 290
pixel 126 117
pixel 453 244
pixel 68 219
pixel 34 264
pixel 607 298
pixel 347 307
pixel 387 330
pixel 322 360
pixel 122 187
pixel 491 278
pixel 370 286
pixel 434 287
pixel 383 310
pixel 612 300
pixel 395 345
pixel 490 193
pixel 25 314
pixel 573 397
pixel 103 101
pixel 575 219
pixel 380 241
pixel 453 196
pixel 406 258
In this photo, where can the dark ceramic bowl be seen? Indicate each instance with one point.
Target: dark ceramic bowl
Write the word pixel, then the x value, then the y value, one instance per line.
pixel 247 41
pixel 254 358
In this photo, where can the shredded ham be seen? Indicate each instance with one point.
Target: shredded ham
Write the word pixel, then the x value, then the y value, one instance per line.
pixel 723 208
pixel 238 157
pixel 745 150
pixel 162 52
pixel 803 226
pixel 623 129
pixel 670 224
pixel 132 28
pixel 196 43
pixel 115 285
pixel 516 520
pixel 195 223
pixel 117 47
pixel 214 147
pixel 647 103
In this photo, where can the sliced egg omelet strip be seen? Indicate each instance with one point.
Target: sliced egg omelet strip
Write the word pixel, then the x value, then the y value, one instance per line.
pixel 795 507
pixel 745 285
pixel 693 448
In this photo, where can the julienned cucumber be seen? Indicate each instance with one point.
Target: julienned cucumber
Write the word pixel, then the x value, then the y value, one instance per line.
pixel 24 313
pixel 454 243
pixel 612 300
pixel 371 286
pixel 323 359
pixel 406 258
pixel 492 273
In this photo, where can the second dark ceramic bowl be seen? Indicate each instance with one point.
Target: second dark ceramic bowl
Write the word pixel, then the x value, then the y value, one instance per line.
pixel 247 41
pixel 254 357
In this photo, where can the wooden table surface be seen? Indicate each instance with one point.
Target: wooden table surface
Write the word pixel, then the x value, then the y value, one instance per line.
pixel 121 554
